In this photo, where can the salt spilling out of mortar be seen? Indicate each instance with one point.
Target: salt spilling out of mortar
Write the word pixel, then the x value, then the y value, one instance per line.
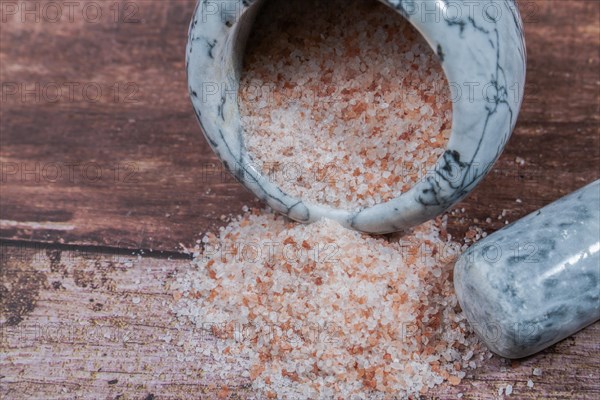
pixel 313 311
pixel 342 102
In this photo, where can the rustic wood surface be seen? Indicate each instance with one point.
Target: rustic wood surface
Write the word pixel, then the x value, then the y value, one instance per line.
pixel 135 173
pixel 88 325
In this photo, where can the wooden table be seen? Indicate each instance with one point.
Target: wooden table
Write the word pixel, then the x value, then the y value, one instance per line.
pixel 101 155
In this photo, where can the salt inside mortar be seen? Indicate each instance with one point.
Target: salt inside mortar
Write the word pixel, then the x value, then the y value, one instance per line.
pixel 342 102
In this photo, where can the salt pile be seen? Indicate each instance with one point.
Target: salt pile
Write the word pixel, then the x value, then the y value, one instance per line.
pixel 317 310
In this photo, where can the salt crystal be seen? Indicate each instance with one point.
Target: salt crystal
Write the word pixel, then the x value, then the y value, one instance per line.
pixel 530 383
pixel 509 390
pixel 537 372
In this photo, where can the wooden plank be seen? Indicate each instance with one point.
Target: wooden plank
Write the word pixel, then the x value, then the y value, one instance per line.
pixel 160 184
pixel 91 325
pixel 134 168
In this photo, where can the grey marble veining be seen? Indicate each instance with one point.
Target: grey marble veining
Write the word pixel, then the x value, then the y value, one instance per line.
pixel 481 47
pixel 536 281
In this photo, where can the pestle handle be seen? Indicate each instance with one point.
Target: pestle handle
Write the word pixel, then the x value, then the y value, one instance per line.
pixel 537 280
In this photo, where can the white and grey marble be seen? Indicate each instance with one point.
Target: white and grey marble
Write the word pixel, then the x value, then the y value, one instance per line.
pixel 536 281
pixel 482 50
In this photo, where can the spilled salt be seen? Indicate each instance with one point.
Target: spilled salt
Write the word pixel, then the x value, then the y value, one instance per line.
pixel 509 390
pixel 316 310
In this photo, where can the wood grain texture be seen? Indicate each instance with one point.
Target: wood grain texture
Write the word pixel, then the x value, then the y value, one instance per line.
pixel 135 172
pixel 86 325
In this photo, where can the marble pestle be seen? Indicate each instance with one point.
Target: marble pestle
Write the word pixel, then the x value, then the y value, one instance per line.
pixel 536 281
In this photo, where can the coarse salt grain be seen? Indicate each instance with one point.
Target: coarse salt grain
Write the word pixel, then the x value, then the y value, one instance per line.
pixel 509 390
pixel 310 311
pixel 335 97
pixel 530 383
